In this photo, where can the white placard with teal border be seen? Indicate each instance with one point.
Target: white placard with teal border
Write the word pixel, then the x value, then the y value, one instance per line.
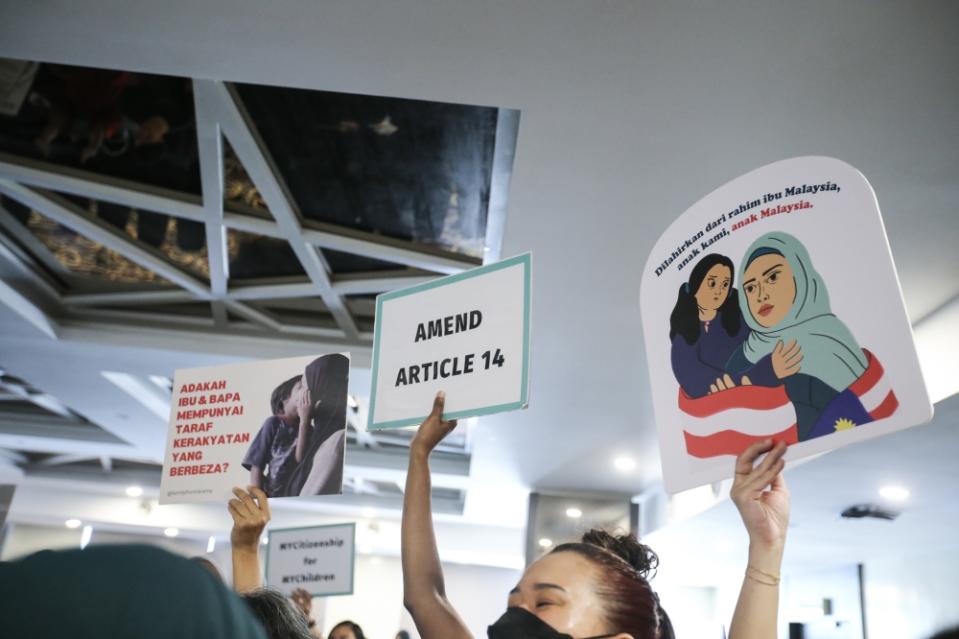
pixel 319 559
pixel 467 334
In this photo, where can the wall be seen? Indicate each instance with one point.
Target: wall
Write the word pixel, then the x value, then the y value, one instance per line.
pixel 25 539
pixel 478 592
pixel 801 601
pixel 693 610
pixel 912 596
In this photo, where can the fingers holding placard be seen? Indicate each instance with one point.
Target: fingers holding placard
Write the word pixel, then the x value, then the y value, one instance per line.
pixel 251 513
pixel 765 513
pixel 434 429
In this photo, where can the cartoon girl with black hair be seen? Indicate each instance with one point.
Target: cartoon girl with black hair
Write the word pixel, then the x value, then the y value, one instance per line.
pixel 706 327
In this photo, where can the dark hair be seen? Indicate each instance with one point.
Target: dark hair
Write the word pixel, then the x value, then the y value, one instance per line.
pixel 402 634
pixel 762 250
pixel 948 634
pixel 282 393
pixel 277 614
pixel 355 627
pixel 629 603
pixel 684 320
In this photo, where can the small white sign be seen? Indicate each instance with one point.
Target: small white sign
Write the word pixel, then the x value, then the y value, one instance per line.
pixel 466 334
pixel 318 559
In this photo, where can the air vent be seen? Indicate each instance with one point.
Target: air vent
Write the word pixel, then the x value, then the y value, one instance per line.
pixel 862 511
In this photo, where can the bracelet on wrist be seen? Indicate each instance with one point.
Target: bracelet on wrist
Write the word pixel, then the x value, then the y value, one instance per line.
pixel 761 576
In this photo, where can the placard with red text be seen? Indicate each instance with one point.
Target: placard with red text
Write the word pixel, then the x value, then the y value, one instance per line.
pixel 277 424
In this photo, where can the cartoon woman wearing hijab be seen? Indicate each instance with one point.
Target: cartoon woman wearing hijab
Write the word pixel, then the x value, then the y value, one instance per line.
pixel 706 327
pixel 786 305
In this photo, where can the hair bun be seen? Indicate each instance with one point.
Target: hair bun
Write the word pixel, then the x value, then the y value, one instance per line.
pixel 625 546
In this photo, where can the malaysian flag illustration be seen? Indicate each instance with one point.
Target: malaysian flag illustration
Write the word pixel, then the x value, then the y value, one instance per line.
pixel 727 422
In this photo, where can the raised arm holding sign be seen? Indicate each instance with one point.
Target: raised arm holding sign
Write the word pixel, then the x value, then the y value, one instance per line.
pixel 597 588
pixel 251 513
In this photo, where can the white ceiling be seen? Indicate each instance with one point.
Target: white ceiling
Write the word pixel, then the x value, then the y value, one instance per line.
pixel 630 113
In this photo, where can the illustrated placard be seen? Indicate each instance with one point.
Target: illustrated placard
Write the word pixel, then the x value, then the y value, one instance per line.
pixel 319 559
pixel 277 424
pixel 771 308
pixel 466 334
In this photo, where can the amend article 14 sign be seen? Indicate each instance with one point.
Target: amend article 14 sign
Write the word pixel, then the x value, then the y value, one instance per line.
pixel 466 334
pixel 318 559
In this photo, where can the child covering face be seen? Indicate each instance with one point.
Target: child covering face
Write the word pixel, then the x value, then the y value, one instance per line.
pixel 300 445
pixel 271 457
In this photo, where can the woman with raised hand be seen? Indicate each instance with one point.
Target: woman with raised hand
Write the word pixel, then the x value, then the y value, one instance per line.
pixel 251 513
pixel 597 588
pixel 281 618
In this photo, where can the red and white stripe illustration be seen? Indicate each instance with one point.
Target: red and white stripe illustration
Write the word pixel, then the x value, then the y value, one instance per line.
pixel 727 422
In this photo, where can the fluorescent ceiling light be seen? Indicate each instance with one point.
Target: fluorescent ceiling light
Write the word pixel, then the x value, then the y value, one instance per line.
pixel 545 542
pixel 164 383
pixel 210 543
pixel 72 523
pixel 624 464
pixel 134 491
pixel 147 395
pixel 894 493
pixel 171 532
pixel 85 537
pixel 574 513
pixel 938 350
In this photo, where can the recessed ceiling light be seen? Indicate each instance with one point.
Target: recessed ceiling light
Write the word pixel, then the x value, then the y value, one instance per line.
pixel 545 542
pixel 171 532
pixel 266 541
pixel 73 523
pixel 624 464
pixel 894 493
pixel 574 513
pixel 134 491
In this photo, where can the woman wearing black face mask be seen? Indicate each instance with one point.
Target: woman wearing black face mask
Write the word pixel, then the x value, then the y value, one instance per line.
pixel 598 588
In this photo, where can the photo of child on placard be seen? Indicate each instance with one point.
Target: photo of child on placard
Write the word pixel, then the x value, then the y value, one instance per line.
pixel 299 448
pixel 277 424
pixel 745 286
